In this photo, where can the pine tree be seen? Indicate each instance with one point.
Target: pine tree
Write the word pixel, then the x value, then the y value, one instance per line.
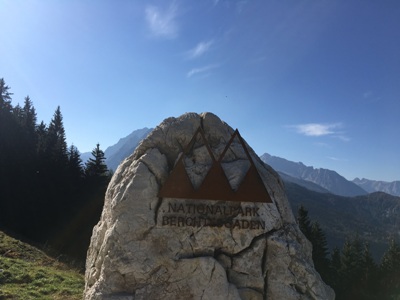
pixel 96 167
pixel 17 113
pixel 5 97
pixel 41 133
pixel 352 268
pixel 29 116
pixel 304 222
pixel 75 161
pixel 335 268
pixel 75 167
pixel 57 145
pixel 390 270
pixel 26 118
pixel 8 141
pixel 320 250
pixel 369 275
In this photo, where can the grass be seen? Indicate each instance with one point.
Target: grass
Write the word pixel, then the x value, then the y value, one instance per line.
pixel 28 273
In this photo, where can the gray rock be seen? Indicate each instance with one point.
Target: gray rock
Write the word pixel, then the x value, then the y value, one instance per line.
pixel 146 247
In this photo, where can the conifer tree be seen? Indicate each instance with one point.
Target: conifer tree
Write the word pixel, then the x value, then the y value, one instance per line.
pixel 5 97
pixel 41 133
pixel 75 167
pixel 369 275
pixel 26 119
pixel 75 161
pixel 29 118
pixel 390 270
pixel 7 148
pixel 17 113
pixel 304 222
pixel 335 268
pixel 351 271
pixel 96 167
pixel 57 145
pixel 320 250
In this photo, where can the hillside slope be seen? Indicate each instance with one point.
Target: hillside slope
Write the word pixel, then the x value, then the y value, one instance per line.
pixel 28 273
pixel 375 217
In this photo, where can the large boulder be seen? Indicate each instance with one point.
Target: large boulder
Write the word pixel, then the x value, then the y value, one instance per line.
pixel 159 239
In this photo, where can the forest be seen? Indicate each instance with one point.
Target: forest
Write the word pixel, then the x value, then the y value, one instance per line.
pixel 47 195
pixel 50 197
pixel 351 271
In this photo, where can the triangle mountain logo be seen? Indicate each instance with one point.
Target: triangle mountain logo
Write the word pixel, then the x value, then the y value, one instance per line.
pixel 215 185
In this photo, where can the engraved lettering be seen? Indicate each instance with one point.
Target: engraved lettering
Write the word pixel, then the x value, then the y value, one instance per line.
pixel 171 206
pixel 165 220
pixel 248 211
pixel 245 224
pixel 201 209
pixel 255 211
pixel 201 215
pixel 218 210
pixel 181 208
pixel 190 206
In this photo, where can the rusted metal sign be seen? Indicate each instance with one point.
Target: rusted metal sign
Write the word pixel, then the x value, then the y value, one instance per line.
pixel 215 185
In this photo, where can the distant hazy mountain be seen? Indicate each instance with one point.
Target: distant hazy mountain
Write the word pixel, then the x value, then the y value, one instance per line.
pixel 125 147
pixel 375 217
pixel 371 186
pixel 304 183
pixel 85 156
pixel 115 154
pixel 327 179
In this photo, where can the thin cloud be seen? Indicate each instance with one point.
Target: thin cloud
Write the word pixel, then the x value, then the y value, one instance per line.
pixel 199 50
pixel 336 158
pixel 315 129
pixel 204 69
pixel 162 23
pixel 321 129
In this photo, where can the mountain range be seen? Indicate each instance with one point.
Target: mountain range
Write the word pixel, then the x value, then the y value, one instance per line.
pixel 327 179
pixel 371 186
pixel 366 208
pixel 115 154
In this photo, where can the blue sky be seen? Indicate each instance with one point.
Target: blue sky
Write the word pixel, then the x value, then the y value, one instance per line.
pixel 310 81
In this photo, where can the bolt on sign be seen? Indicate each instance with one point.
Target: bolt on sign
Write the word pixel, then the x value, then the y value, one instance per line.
pixel 211 179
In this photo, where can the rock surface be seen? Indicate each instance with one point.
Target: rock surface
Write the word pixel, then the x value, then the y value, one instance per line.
pixel 146 247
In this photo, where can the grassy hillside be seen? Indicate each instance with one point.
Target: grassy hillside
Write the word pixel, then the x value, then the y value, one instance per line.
pixel 28 273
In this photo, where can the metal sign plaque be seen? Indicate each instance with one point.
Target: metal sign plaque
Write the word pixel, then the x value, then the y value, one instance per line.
pixel 215 185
